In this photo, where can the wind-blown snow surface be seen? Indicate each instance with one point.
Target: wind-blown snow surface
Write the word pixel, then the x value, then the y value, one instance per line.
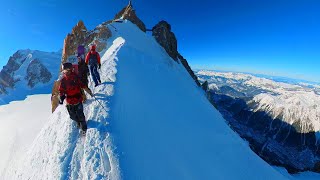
pixel 159 121
pixel 21 121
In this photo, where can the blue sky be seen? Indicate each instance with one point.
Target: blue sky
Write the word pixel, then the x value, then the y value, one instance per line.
pixel 275 37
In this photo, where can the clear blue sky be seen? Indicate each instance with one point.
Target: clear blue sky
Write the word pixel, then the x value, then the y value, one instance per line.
pixel 275 37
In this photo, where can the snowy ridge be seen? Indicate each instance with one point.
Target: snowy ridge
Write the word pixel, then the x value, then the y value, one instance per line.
pixel 294 104
pixel 164 127
pixel 155 123
pixel 59 153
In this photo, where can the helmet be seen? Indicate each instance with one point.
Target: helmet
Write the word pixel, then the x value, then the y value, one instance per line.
pixel 93 47
pixel 66 66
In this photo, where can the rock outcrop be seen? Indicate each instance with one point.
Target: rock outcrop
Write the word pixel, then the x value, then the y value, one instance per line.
pixel 166 38
pixel 130 14
pixel 78 36
pixel 205 86
pixel 162 33
pixel 81 36
pixel 188 68
pixel 6 75
pixel 37 72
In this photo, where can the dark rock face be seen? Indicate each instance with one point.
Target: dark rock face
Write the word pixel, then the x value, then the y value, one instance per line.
pixel 129 13
pixel 6 80
pixel 162 33
pixel 37 72
pixel 205 86
pixel 188 68
pixel 23 66
pixel 7 73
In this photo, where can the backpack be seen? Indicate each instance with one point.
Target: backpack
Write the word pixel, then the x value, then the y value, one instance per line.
pixel 72 87
pixel 81 51
pixel 93 60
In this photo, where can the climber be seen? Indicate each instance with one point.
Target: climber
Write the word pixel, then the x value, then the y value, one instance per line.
pixel 93 59
pixel 70 88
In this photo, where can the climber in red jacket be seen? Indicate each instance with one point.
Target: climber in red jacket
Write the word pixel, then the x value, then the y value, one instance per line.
pixel 70 88
pixel 93 59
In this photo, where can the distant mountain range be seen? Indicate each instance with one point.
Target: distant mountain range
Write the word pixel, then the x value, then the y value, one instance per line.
pixel 28 72
pixel 271 77
pixel 278 116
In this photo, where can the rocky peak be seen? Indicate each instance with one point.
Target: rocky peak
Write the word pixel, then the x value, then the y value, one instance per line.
pixel 188 68
pixel 166 38
pixel 81 36
pixel 77 37
pixel 27 67
pixel 80 27
pixel 37 73
pixel 129 13
pixel 205 86
pixel 6 74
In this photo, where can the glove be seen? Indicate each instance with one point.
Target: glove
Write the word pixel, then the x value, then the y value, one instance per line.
pixel 99 66
pixel 61 99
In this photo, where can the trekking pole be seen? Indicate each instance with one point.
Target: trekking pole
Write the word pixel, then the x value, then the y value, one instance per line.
pixel 100 103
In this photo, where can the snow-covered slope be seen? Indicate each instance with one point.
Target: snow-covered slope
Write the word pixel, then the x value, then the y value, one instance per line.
pixel 21 121
pixel 155 123
pixel 28 72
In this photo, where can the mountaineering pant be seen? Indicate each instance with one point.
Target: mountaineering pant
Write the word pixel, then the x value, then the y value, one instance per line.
pixel 76 114
pixel 94 74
